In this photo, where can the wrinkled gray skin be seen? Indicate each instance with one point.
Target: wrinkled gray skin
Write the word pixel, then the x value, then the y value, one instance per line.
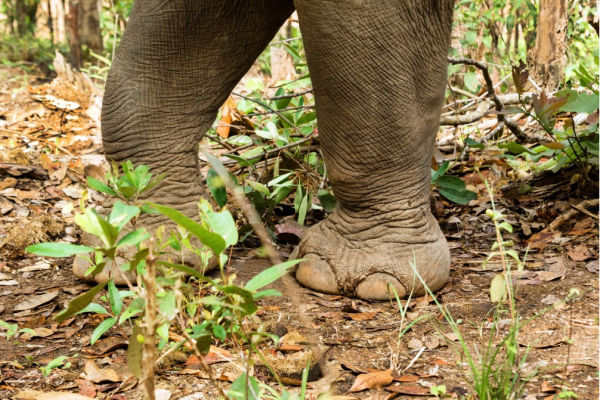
pixel 378 68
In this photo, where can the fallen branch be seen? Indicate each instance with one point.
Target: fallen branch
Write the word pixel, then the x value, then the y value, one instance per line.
pixel 498 105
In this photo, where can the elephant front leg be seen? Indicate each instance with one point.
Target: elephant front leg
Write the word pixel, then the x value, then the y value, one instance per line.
pixel 176 64
pixel 379 72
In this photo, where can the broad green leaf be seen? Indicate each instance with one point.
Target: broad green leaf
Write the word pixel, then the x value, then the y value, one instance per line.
pixel 134 237
pixel 102 328
pixel 131 311
pixel 219 332
pixel 515 148
pixel 450 182
pixel 121 214
pixel 306 118
pixel 100 186
pixel 270 133
pixel 217 187
pixel 458 196
pixel 270 275
pixel 94 308
pixel 279 179
pixel 58 249
pixel 213 240
pixel 241 160
pixel 498 289
pixel 185 269
pixel 203 342
pixel 79 303
pixel 220 222
pixel 114 298
pixel 266 293
pixel 135 350
pixel 581 102
pixel 248 305
pixel 435 174
pixel 167 305
pixel 474 144
pixel 471 82
pixel 96 225
pixel 240 391
pixel 327 200
pixel 259 187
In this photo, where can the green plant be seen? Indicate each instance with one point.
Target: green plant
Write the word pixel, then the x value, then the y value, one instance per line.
pixel 566 144
pixel 451 187
pixel 202 309
pixel 439 391
pixel 55 363
pixel 567 394
pixel 13 329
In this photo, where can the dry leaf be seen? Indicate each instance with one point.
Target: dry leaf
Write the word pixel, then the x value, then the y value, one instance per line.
pixel 372 380
pixel 93 373
pixel 227 115
pixel 580 253
pixel 362 316
pixel 35 301
pixel 413 390
pixel 37 395
pixel 406 378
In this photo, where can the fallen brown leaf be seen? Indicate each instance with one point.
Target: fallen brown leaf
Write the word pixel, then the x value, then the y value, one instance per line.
pixel 412 390
pixel 372 380
pixel 36 301
pixel 95 374
pixel 37 395
pixel 406 378
pixel 580 253
pixel 362 316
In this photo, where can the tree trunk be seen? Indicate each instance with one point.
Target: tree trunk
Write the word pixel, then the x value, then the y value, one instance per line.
pixel 549 56
pixel 25 16
pixel 83 25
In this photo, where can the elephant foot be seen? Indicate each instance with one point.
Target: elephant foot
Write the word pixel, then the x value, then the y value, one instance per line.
pixel 341 262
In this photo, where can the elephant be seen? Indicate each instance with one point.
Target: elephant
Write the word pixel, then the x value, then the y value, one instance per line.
pixel 378 69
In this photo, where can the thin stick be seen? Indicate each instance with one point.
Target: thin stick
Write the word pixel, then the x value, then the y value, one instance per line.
pixel 149 325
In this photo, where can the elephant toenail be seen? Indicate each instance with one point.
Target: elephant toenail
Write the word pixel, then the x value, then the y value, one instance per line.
pixel 375 287
pixel 316 274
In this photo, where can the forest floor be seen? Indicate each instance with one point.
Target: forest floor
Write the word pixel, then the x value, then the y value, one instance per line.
pixel 47 147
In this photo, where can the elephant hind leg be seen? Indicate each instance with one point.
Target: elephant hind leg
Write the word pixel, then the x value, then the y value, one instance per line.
pixel 379 70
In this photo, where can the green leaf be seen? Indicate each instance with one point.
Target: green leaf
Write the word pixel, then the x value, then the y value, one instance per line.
pixel 303 209
pixel 131 311
pixel 132 238
pixel 498 289
pixel 240 391
pixel 306 117
pixel 58 249
pixel 266 293
pixel 219 332
pixel 451 182
pixel 221 223
pixel 279 179
pixel 203 342
pixel 271 133
pixel 114 298
pixel 581 102
pixel 471 82
pixel 167 305
pixel 214 241
pixel 96 225
pixel 100 186
pixel 270 275
pixel 259 187
pixel 474 144
pixel 435 174
pixel 458 196
pixel 102 328
pixel 515 148
pixel 121 214
pixel 216 187
pixel 185 269
pixel 247 305
pixel 79 303
pixel 134 351
pixel 94 308
pixel 327 200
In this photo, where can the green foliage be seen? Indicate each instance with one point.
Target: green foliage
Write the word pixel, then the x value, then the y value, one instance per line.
pixel 213 309
pixel 13 329
pixel 451 187
pixel 58 362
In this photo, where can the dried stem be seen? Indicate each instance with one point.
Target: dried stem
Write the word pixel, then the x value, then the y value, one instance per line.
pixel 149 325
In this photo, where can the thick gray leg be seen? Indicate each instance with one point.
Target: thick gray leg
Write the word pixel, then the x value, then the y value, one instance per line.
pixel 177 63
pixel 378 68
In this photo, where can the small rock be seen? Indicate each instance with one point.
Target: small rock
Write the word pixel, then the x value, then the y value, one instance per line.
pixel 415 344
pixel 162 394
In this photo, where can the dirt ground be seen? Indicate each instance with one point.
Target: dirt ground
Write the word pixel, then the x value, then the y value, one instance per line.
pixel 46 147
